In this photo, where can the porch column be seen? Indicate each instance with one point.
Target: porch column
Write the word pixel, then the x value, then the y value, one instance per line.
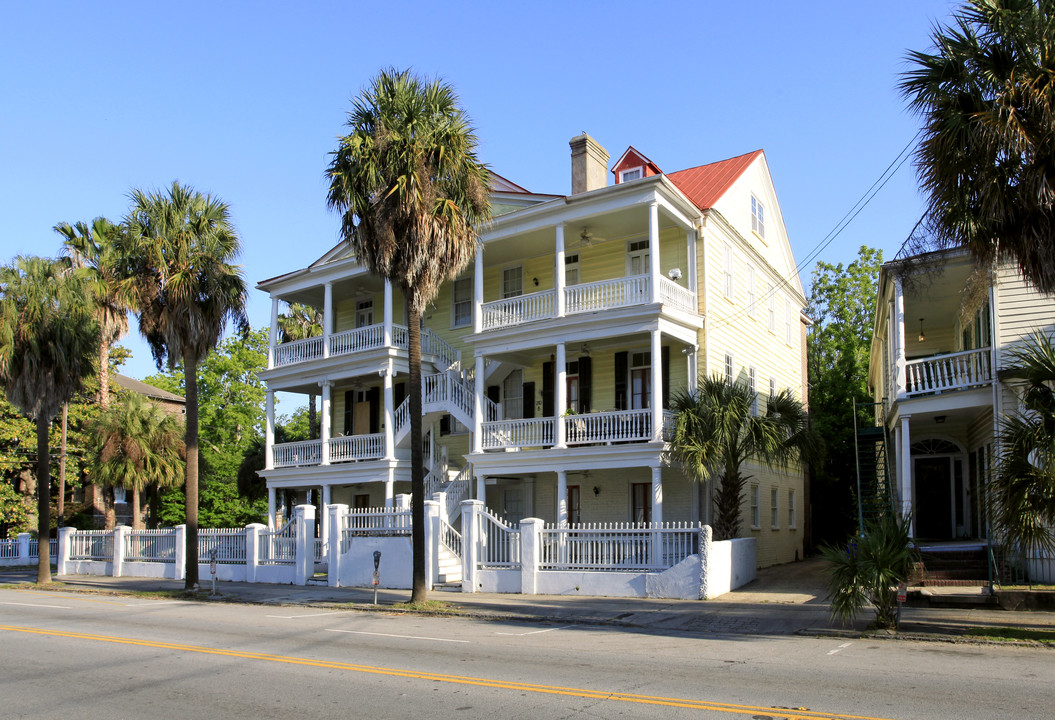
pixel 388 314
pixel 269 429
pixel 562 498
pixel 272 506
pixel 653 249
pixel 558 271
pixel 478 292
pixel 657 495
pixel 562 395
pixel 656 401
pixel 390 487
pixel 478 404
pixel 324 521
pixel 324 425
pixel 481 489
pixel 273 337
pixel 692 367
pixel 899 338
pixel 690 271
pixel 327 317
pixel 905 471
pixel 390 413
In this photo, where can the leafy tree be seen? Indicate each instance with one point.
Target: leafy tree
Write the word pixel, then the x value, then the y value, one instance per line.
pixel 868 570
pixel 411 192
pixel 138 445
pixel 181 246
pixel 48 341
pixel 716 431
pixel 986 95
pixel 300 323
pixel 842 306
pixel 230 402
pixel 1022 494
pixel 14 511
pixel 221 507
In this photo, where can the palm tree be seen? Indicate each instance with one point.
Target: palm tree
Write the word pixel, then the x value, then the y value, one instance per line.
pixel 412 193
pixel 717 430
pixel 180 247
pixel 48 342
pixel 987 158
pixel 300 323
pixel 139 444
pixel 1022 494
pixel 97 249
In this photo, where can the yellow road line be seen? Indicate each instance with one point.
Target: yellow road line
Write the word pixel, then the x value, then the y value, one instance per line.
pixel 787 713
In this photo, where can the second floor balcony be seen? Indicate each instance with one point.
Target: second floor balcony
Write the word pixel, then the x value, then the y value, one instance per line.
pixel 948 371
pixel 596 428
pixel 359 340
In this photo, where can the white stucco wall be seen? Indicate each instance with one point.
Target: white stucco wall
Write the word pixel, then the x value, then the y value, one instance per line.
pixel 397 563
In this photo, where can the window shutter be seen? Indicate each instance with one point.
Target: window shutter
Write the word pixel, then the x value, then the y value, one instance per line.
pixel 529 400
pixel 374 397
pixel 665 372
pixel 585 384
pixel 349 409
pixel 547 389
pixel 622 368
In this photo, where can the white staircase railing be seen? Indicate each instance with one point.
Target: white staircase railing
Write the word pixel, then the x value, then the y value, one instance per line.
pixel 433 344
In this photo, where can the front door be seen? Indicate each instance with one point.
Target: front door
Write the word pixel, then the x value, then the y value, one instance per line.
pixel 934 498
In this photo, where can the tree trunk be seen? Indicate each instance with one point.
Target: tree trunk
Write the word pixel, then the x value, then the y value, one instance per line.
pixel 190 487
pixel 137 521
pixel 153 504
pixel 109 508
pixel 417 462
pixel 43 502
pixel 104 375
pixel 62 464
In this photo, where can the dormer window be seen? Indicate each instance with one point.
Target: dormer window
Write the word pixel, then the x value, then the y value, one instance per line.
pixel 628 175
pixel 758 217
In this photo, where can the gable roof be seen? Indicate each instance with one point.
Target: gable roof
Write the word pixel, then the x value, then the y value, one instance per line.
pixel 633 157
pixel 138 386
pixel 705 184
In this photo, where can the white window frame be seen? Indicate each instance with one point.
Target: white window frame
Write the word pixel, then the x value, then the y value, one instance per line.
pixel 640 170
pixel 752 296
pixel 774 510
pixel 729 368
pixel 756 501
pixel 787 321
pixel 752 384
pixel 364 309
pixel 635 364
pixel 772 390
pixel 728 272
pixel 640 245
pixel 455 303
pixel 505 293
pixel 792 520
pixel 571 262
pixel 771 291
pixel 758 217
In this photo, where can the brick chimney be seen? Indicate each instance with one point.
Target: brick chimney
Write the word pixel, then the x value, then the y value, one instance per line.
pixel 589 164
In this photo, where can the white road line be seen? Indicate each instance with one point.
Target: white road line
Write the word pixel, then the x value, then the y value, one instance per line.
pixel 841 647
pixel 295 617
pixel 402 637
pixel 534 632
pixel 60 607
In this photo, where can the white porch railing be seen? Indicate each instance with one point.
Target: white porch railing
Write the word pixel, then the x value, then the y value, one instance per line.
pixel 607 294
pixel 346 342
pixel 357 447
pixel 618 546
pixel 670 293
pixel 535 432
pixel 518 310
pixel 608 427
pixel 298 351
pixel 952 371
pixel 499 543
pixel 305 452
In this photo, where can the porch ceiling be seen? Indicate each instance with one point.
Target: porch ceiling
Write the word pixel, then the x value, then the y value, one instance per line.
pixel 345 287
pixel 936 297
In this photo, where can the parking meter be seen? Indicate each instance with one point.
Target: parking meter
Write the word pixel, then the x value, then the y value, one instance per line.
pixel 377 575
pixel 212 568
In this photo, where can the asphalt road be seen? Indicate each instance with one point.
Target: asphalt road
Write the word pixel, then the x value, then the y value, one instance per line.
pixel 79 656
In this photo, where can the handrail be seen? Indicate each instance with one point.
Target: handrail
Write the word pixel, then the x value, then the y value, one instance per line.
pixel 518 310
pixel 948 371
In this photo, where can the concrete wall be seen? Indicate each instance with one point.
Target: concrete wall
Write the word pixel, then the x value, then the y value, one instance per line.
pixel 356 568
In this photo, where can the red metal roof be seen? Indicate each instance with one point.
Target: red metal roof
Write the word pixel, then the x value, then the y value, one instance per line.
pixel 703 185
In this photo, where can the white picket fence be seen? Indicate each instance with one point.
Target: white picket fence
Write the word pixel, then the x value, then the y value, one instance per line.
pixel 608 547
pixel 23 549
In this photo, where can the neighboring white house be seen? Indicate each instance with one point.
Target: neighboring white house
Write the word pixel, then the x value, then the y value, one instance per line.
pixel 549 363
pixel 942 333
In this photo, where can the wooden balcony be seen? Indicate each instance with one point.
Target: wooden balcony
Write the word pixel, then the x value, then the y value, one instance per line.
pixel 602 428
pixel 350 342
pixel 948 372
pixel 353 448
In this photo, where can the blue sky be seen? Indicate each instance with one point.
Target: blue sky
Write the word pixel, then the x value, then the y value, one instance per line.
pixel 245 100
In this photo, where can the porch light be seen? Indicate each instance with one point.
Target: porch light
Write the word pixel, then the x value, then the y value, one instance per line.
pixel 584 350
pixel 922 337
pixel 674 274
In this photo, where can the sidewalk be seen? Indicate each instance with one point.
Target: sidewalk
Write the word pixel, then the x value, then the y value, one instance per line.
pixel 784 600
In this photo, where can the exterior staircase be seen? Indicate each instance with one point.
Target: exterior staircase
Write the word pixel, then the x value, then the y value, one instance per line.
pixel 951 567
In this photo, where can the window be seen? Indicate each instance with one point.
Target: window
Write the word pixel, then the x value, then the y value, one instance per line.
pixel 758 217
pixel 771 293
pixel 751 298
pixel 728 369
pixel 772 389
pixel 640 380
pixel 641 503
pixel 364 313
pixel 628 175
pixel 791 509
pixel 756 513
pixel 752 385
pixel 513 395
pixel 727 271
pixel 361 501
pixel 462 302
pixel 774 508
pixel 571 384
pixel 574 515
pixel 512 282
pixel 788 324
pixel 120 495
pixel 637 257
pixel 571 269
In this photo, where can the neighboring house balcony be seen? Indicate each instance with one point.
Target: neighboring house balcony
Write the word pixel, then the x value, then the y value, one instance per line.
pixel 589 429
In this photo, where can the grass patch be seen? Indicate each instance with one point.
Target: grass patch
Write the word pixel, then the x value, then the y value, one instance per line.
pixel 1007 634
pixel 431 606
